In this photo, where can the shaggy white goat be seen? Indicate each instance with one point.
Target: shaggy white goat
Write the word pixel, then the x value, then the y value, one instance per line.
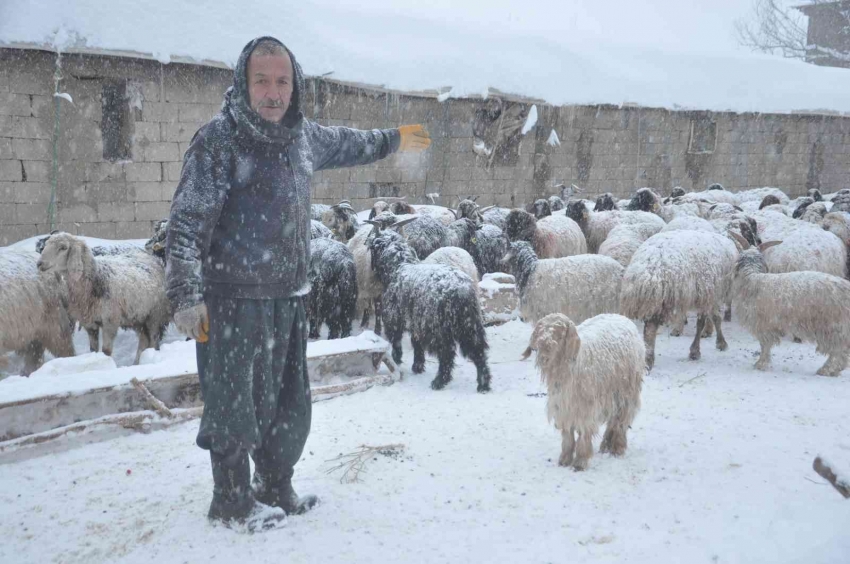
pixel 813 306
pixel 456 258
pixel 112 292
pixel 676 272
pixel 580 286
pixel 624 240
pixel 369 288
pixel 594 374
pixel 33 311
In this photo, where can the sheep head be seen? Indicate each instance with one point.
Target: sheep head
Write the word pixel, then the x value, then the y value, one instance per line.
pixel 836 223
pixel 556 340
pixel 577 211
pixel 540 208
pixel 644 200
pixel 605 202
pixel 520 226
pixel 64 253
pixel 556 203
pixel 677 192
pixel 769 200
pixel 716 186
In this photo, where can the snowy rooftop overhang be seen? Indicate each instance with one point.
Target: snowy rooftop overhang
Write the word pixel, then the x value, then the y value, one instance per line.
pixel 669 54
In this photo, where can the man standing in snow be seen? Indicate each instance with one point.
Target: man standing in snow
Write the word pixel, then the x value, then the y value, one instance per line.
pixel 238 250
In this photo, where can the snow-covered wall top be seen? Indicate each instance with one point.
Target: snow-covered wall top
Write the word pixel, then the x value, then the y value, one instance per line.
pixel 672 53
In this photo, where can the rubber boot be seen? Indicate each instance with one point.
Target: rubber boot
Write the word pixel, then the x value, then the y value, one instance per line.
pixel 233 504
pixel 275 489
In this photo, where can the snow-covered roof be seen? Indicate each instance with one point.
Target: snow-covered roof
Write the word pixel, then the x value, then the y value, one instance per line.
pixel 668 53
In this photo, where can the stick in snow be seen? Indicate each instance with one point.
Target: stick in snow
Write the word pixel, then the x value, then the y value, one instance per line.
pixel 354 462
pixel 827 474
pixel 156 404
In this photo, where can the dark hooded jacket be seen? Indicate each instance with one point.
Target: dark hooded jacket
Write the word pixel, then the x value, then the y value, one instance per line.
pixel 240 218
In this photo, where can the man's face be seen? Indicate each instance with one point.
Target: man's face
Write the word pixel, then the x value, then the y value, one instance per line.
pixel 270 83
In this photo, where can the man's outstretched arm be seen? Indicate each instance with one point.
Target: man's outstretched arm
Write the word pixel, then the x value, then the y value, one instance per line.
pixel 335 147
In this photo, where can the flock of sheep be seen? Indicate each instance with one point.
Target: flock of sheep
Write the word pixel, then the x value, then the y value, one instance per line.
pixel 585 271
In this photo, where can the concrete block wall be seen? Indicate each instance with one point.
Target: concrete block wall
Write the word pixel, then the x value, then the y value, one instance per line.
pixel 602 148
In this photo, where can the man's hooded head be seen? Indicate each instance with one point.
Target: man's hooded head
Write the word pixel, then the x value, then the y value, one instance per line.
pixel 266 93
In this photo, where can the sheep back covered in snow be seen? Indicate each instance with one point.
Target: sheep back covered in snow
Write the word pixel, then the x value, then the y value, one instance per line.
pixel 32 310
pixel 456 258
pixel 676 272
pixel 554 236
pixel 594 374
pixel 810 305
pixel 804 246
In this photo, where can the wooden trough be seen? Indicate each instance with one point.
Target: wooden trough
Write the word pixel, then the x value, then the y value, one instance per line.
pixel 338 367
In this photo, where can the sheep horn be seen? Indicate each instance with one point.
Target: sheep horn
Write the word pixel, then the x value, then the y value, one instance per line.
pixel 741 241
pixel 768 244
pixel 474 198
pixel 738 208
pixel 403 222
pixel 486 209
pixel 454 212
pixel 576 188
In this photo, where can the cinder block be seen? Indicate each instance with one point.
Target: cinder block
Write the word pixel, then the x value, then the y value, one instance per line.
pixel 30 213
pixel 162 152
pixel 196 113
pixel 143 172
pixel 8 214
pixel 159 111
pixel 104 172
pixel 152 211
pixel 147 132
pixel 6 149
pixel 134 229
pixel 96 192
pixel 32 149
pixel 30 128
pixel 414 175
pixel 363 174
pixel 7 193
pixel 39 171
pixel 172 171
pixel 32 192
pixel 116 211
pixel 11 171
pixel 389 175
pixel 12 104
pixel 103 230
pixel 42 107
pixel 168 189
pixel 180 131
pixel 146 192
pixel 79 213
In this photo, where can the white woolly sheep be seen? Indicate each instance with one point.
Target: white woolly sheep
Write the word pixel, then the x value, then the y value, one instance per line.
pixel 593 374
pixel 838 223
pixel 369 289
pixel 805 246
pixel 552 237
pixel 813 306
pixel 437 304
pixel 579 286
pixel 110 292
pixel 444 215
pixel 622 241
pixel 456 258
pixel 597 225
pixel 319 231
pixel 676 272
pixel 342 221
pixel 33 310
pixel 759 194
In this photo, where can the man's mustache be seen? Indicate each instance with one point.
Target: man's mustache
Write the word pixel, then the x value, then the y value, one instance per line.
pixel 271 104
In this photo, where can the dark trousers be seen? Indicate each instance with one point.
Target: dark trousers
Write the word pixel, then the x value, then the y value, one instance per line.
pixel 254 383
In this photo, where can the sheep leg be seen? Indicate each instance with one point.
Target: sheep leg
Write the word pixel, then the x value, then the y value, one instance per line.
pixel 418 356
pixel 763 363
pixel 708 330
pixel 334 326
pixel 568 445
pixel 678 326
pixel 444 372
pixel 834 365
pixel 650 331
pixel 615 440
pixel 695 352
pixel 33 355
pixel 365 321
pixel 727 315
pixel 94 338
pixel 584 450
pixel 144 343
pixel 108 333
pixel 379 309
pixel 720 342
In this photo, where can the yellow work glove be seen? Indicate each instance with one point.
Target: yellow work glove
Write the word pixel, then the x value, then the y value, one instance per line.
pixel 414 138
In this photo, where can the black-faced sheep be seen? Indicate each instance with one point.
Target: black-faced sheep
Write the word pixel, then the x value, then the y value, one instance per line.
pixel 597 225
pixel 580 286
pixel 813 306
pixel 769 200
pixel 437 304
pixel 815 194
pixel 33 310
pixel 552 237
pixel 676 272
pixel 540 208
pixel 342 221
pixel 556 203
pixel 605 202
pixel 110 292
pixel 594 374
pixel 489 247
pixel 333 288
pixel 646 200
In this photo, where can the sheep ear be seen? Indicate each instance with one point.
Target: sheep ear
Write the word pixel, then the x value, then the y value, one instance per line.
pixel 572 342
pixel 454 212
pixel 474 198
pixel 741 241
pixel 75 258
pixel 738 208
pixel 768 244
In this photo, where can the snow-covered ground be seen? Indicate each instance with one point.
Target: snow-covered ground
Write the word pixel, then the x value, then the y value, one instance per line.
pixel 718 470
